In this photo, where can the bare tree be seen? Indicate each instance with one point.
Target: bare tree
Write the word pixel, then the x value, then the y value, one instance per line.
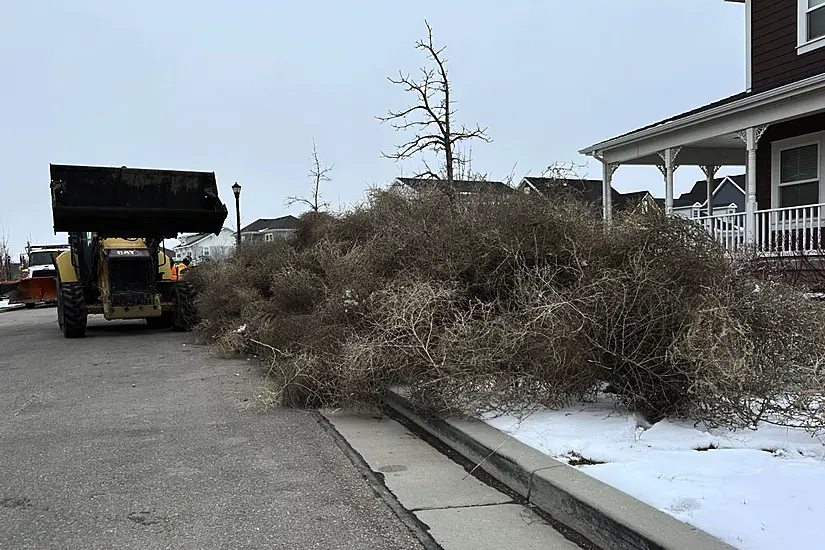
pixel 431 118
pixel 318 173
pixel 563 171
pixel 5 254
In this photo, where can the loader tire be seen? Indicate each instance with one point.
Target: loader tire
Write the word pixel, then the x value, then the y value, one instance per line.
pixel 186 314
pixel 71 310
pixel 166 320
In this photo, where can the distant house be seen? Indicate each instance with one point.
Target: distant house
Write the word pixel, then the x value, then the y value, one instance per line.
pixel 728 198
pixel 268 229
pixel 462 187
pixel 587 191
pixel 202 246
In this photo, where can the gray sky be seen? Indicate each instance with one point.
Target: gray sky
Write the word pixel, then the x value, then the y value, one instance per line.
pixel 241 88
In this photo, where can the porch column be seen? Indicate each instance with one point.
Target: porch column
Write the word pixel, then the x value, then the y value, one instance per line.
pixel 667 170
pixel 710 173
pixel 751 138
pixel 608 169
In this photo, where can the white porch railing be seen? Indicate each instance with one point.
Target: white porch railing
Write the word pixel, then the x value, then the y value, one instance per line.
pixel 729 229
pixel 792 230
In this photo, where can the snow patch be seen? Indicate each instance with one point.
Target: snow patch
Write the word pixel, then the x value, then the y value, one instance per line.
pixel 754 489
pixel 4 304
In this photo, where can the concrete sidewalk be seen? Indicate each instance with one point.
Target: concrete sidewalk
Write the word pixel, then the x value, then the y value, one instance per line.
pixel 460 511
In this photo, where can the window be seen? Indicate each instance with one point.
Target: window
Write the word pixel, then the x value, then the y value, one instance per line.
pixel 798 175
pixel 811 23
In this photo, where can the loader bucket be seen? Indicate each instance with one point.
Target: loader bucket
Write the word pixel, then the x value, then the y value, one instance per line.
pixel 135 202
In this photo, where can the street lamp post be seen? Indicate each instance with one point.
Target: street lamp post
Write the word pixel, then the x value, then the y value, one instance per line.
pixel 236 189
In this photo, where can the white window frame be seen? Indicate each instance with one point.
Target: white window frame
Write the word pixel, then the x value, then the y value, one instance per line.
pixel 777 147
pixel 803 44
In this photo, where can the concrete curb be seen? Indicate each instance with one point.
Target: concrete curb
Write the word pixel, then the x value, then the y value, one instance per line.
pixel 607 517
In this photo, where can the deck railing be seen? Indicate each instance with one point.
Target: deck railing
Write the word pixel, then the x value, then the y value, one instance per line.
pixel 785 230
pixel 791 230
pixel 728 228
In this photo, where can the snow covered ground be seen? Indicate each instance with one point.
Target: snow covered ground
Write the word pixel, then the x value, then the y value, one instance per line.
pixel 754 489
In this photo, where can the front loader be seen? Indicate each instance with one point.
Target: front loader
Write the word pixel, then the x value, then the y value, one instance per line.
pixel 117 220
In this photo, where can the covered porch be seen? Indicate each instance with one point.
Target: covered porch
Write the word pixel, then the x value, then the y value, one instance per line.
pixel 778 136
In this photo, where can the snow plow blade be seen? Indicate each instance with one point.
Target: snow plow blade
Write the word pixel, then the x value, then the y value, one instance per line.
pixel 33 290
pixel 134 202
pixel 7 286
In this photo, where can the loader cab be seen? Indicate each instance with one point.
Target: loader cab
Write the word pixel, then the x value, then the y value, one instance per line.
pixel 83 254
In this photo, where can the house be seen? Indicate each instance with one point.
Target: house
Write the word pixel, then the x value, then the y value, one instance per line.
pixel 586 190
pixel 202 246
pixel 728 197
pixel 775 128
pixel 268 229
pixel 462 187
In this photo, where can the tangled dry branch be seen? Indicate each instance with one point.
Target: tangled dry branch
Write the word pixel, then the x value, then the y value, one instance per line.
pixel 507 303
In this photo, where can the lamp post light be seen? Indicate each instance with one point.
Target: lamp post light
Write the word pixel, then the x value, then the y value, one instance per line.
pixel 236 189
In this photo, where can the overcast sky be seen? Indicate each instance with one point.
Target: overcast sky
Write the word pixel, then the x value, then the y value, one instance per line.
pixel 241 88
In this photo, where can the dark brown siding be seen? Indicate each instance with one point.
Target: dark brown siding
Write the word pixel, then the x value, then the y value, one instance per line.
pixel 774 61
pixel 785 130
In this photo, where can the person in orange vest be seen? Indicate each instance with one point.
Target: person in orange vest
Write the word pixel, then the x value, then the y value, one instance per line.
pixel 177 270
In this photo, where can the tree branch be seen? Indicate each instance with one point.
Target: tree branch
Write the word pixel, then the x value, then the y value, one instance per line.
pixel 430 116
pixel 318 173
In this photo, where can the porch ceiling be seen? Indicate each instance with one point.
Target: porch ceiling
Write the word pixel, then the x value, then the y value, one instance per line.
pixel 726 150
pixel 709 135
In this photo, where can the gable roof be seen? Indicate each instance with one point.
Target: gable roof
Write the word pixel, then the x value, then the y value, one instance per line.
pixel 194 238
pixel 699 192
pixel 627 201
pixel 462 186
pixel 188 240
pixel 271 224
pixel 585 190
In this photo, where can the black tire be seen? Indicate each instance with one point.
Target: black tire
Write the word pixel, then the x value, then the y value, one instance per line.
pixel 186 314
pixel 71 310
pixel 166 320
pixel 30 305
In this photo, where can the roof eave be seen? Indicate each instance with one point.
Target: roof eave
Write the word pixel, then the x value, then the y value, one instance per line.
pixel 728 108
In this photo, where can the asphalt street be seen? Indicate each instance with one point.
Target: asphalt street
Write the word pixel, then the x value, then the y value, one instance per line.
pixel 134 438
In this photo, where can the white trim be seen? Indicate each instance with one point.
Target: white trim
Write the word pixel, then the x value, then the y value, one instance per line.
pixel 718 187
pixel 193 243
pixel 816 138
pixel 811 46
pixel 733 181
pixel 526 179
pixel 803 45
pixel 788 91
